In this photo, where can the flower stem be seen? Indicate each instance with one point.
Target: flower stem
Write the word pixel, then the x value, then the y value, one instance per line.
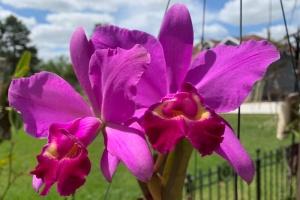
pixel 175 171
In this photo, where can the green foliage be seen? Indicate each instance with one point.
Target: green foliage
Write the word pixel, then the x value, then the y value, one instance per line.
pixel 22 68
pixel 14 40
pixel 257 131
pixel 9 119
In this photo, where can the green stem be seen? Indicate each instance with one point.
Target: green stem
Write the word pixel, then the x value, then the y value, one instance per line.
pixel 175 171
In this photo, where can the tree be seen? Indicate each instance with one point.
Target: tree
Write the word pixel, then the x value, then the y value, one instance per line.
pixel 14 40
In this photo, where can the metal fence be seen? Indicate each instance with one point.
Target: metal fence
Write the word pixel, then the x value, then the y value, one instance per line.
pixel 275 178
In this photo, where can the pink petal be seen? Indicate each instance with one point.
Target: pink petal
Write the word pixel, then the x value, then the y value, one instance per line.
pixel 43 99
pixel 84 130
pixel 163 134
pixel 81 51
pixel 108 165
pixel 121 71
pixel 176 37
pixel 156 86
pixel 46 170
pixel 224 75
pixel 64 159
pixel 36 183
pixel 232 150
pixel 130 146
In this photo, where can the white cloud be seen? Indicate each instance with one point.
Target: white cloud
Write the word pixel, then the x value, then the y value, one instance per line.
pixel 215 31
pixel 145 21
pixel 254 12
pixel 61 5
pixel 87 20
pixel 52 37
pixel 56 33
pixel 80 5
pixel 28 21
pixel 277 31
pixel 149 19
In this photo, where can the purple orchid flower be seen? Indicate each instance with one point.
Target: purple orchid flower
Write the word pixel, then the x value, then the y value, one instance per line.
pixel 192 94
pixel 216 81
pixel 184 96
pixel 52 109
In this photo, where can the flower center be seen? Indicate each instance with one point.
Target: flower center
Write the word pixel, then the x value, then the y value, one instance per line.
pixel 67 149
pixel 182 105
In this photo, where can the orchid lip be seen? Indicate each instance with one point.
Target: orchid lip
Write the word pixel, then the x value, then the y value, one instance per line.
pixel 183 105
pixel 183 115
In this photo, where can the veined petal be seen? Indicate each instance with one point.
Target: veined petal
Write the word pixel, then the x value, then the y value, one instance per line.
pixel 225 75
pixel 108 165
pixel 232 150
pixel 153 84
pixel 83 129
pixel 121 71
pixel 43 99
pixel 130 146
pixel 81 51
pixel 176 36
pixel 65 158
pixel 72 173
pixel 206 135
pixel 46 170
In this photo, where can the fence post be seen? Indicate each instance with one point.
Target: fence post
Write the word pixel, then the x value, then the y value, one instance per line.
pixel 257 162
pixel 189 186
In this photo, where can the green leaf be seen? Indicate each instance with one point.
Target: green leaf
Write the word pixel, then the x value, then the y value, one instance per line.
pixel 22 68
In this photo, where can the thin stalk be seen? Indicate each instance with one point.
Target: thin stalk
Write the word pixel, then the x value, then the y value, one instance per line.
pixel 175 171
pixel 107 191
pixel 10 171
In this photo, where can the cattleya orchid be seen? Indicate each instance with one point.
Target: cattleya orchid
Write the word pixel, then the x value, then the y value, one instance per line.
pixel 52 109
pixel 217 80
pixel 179 97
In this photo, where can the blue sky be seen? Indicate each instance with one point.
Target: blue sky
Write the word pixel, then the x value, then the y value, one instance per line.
pixel 53 21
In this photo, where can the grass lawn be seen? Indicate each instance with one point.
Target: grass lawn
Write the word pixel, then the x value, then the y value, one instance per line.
pixel 257 131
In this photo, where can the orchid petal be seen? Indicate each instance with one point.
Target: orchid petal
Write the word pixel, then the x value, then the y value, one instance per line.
pixel 43 99
pixel 121 71
pixel 46 170
pixel 81 51
pixel 225 75
pixel 108 165
pixel 206 135
pixel 83 129
pixel 232 150
pixel 36 183
pixel 130 146
pixel 72 173
pixel 65 158
pixel 176 37
pixel 153 84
